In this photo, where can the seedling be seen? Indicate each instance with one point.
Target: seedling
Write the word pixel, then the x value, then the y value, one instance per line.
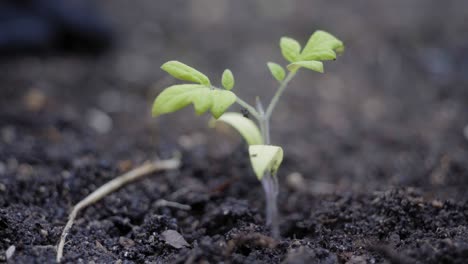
pixel 205 97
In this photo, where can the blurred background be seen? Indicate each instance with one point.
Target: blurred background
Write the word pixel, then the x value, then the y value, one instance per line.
pixel 390 111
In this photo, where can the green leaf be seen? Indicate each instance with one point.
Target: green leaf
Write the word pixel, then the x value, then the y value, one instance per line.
pixel 246 127
pixel 185 72
pixel 322 46
pixel 203 98
pixel 290 49
pixel 276 70
pixel 228 79
pixel 265 158
pixel 311 65
pixel 222 100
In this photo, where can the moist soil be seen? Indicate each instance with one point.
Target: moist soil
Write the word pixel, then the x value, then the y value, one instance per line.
pixel 50 165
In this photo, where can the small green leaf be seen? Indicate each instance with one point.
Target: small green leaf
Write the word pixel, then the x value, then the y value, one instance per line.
pixel 322 46
pixel 246 127
pixel 290 49
pixel 228 79
pixel 311 65
pixel 276 70
pixel 203 98
pixel 185 72
pixel 265 158
pixel 222 100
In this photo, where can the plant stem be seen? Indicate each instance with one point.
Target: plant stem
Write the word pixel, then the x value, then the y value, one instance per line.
pixel 278 94
pixel 244 104
pixel 269 181
pixel 249 108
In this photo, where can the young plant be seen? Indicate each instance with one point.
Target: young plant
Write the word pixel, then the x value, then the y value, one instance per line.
pixel 265 157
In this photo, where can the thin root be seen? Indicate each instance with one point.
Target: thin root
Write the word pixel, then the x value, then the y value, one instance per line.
pixel 110 187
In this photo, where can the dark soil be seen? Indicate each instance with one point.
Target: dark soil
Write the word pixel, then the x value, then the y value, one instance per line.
pixel 375 167
pixel 50 166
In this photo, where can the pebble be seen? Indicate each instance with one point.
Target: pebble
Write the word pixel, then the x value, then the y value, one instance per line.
pixel 174 239
pixel 44 232
pixel 34 100
pixel 99 121
pixel 66 174
pixel 394 239
pixel 437 204
pixel 295 181
pixel 9 252
pixel 126 242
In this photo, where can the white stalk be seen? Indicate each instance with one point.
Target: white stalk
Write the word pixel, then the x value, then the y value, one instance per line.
pixel 269 181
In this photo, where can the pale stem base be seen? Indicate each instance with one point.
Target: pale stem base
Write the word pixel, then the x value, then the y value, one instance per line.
pixel 269 181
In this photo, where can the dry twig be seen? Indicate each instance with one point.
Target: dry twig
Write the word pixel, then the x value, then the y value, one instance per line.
pixel 110 187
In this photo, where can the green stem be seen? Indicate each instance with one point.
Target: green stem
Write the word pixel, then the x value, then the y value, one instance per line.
pixel 244 104
pixel 278 94
pixel 249 108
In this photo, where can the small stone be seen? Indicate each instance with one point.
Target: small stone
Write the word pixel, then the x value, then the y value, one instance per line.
pixel 9 252
pixel 174 239
pixel 34 100
pixel 295 181
pixel 437 204
pixel 99 121
pixel 126 242
pixel 66 174
pixel 44 232
pixel 394 239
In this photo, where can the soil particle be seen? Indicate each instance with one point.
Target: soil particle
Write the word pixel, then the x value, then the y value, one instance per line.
pixel 174 239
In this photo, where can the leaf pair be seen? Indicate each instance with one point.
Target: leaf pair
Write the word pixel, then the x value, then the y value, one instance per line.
pixel 203 96
pixel 203 99
pixel 264 158
pixel 321 46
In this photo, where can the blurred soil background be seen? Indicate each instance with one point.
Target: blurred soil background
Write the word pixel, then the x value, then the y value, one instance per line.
pixel 390 113
pixel 393 105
